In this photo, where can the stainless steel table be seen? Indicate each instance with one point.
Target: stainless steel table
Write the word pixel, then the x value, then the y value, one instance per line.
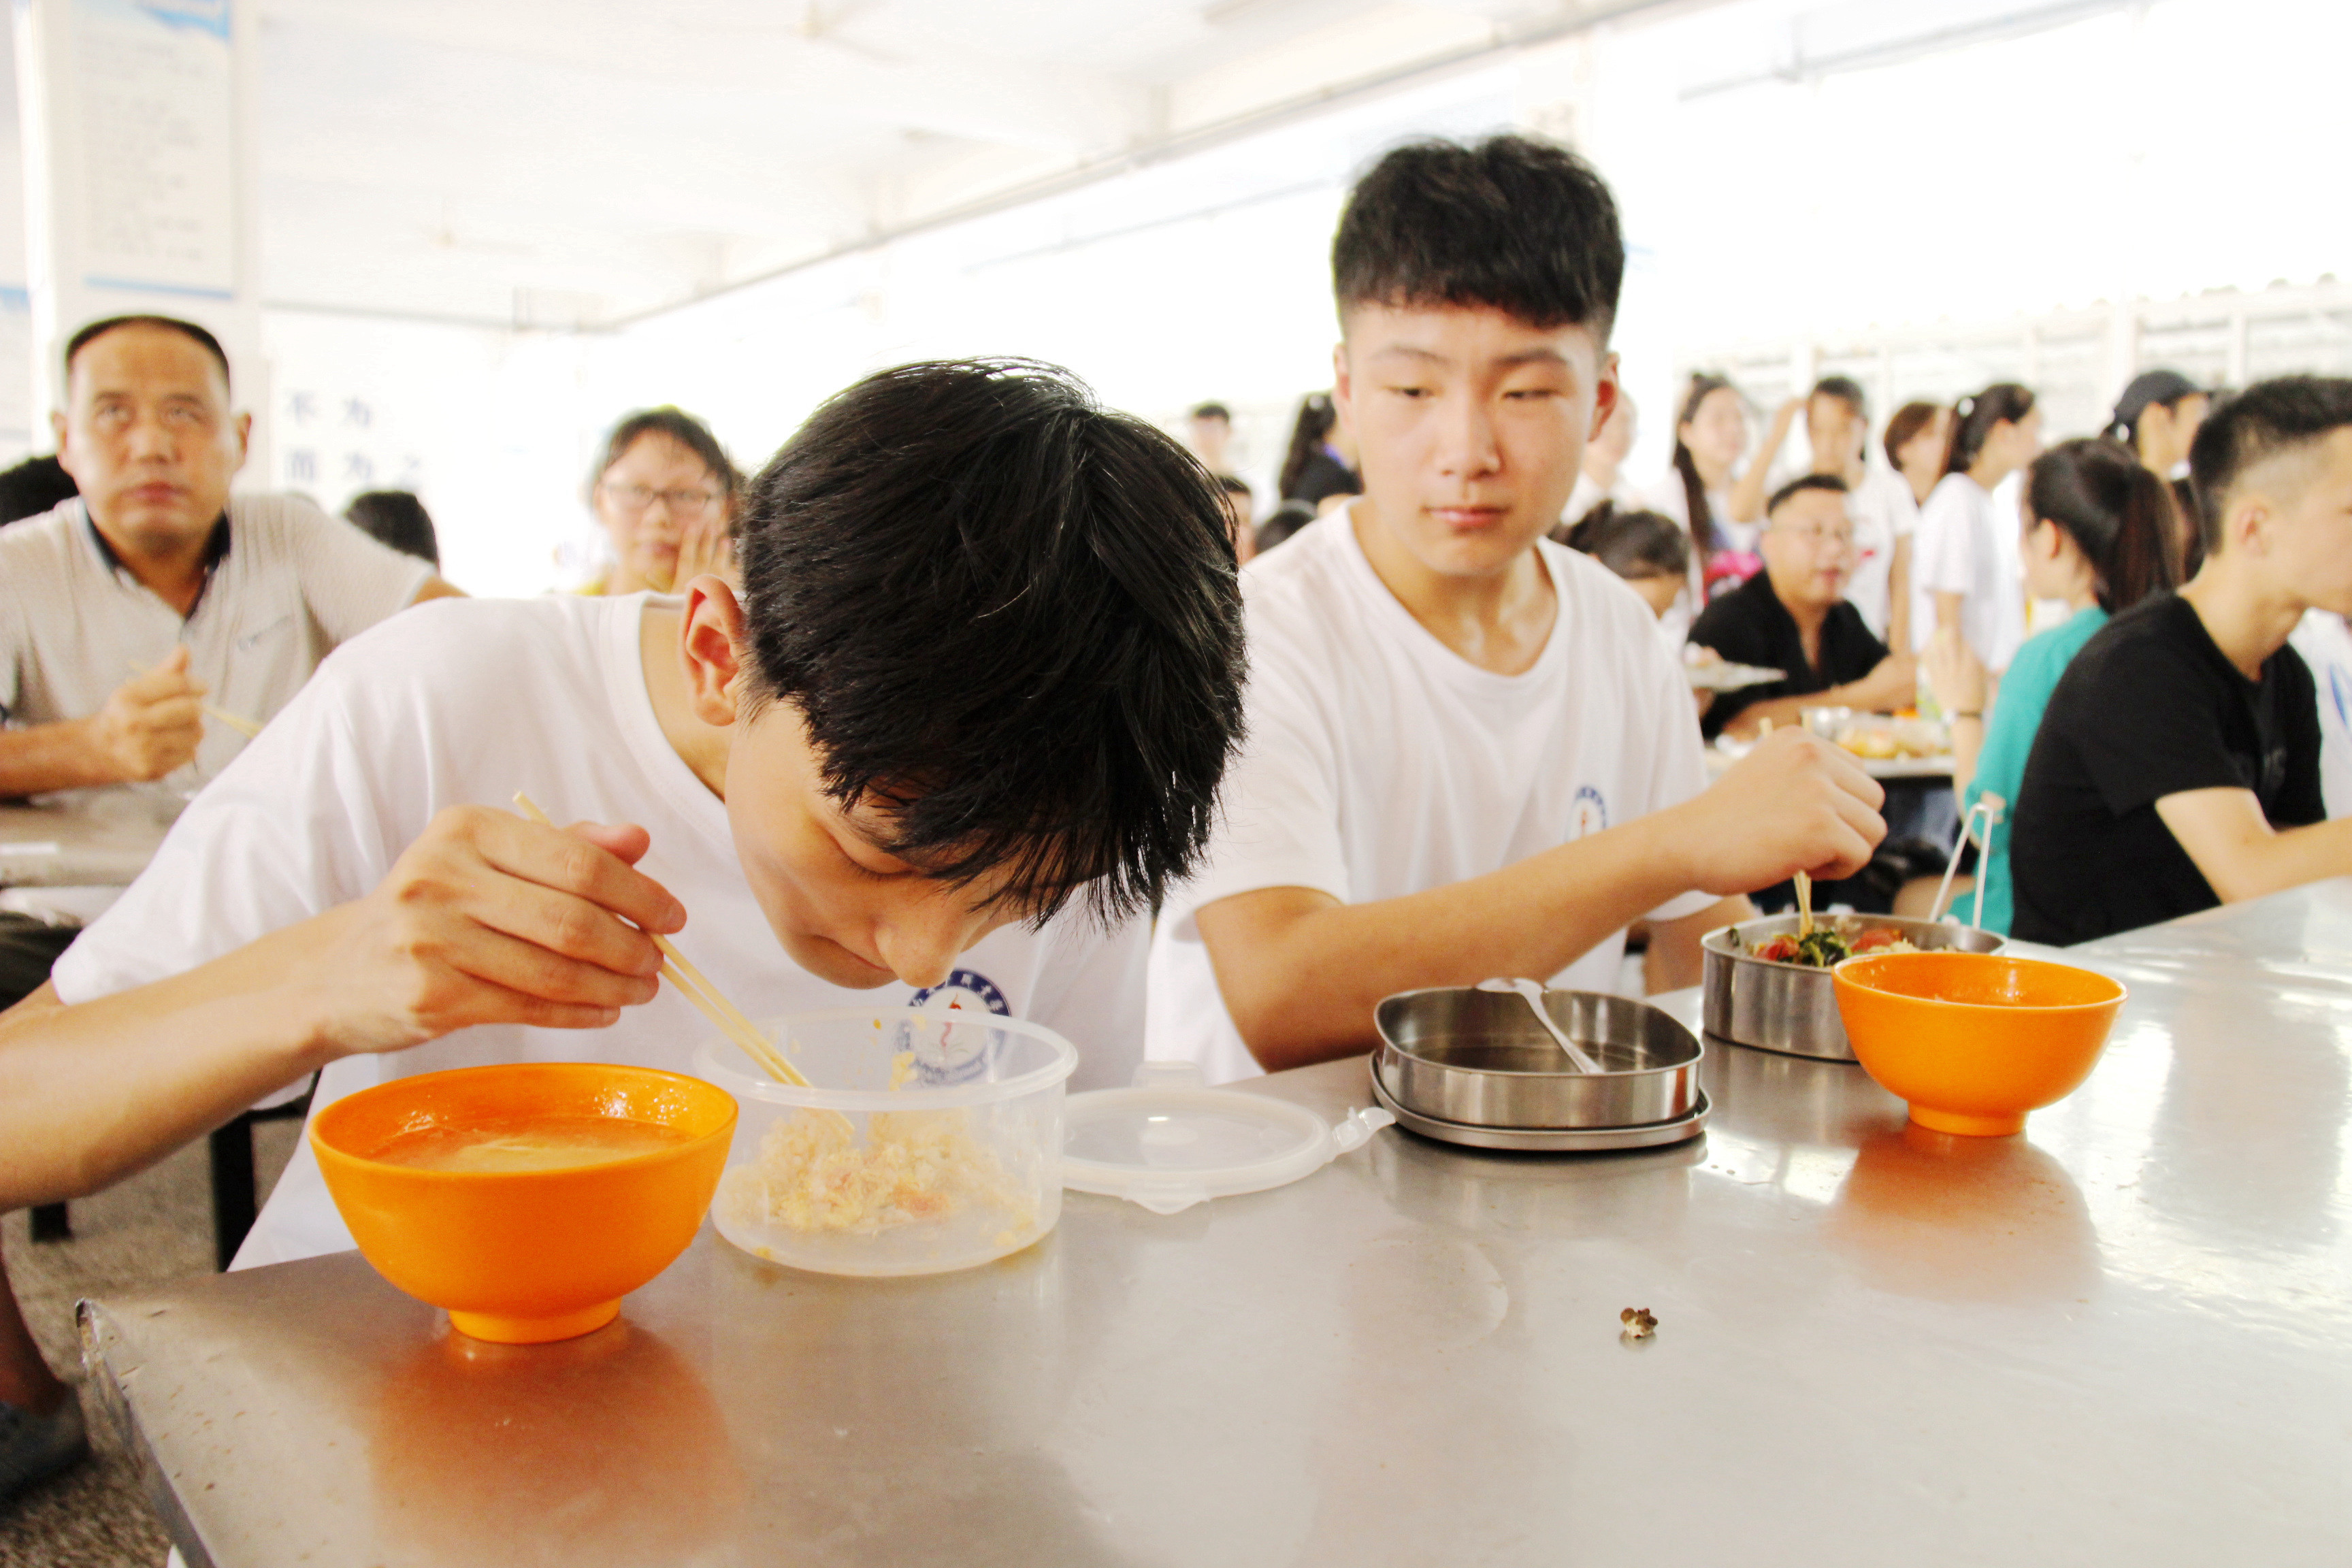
pixel 2124 1338
pixel 103 839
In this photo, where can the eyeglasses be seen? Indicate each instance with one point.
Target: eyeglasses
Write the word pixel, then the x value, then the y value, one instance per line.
pixel 634 499
pixel 1837 538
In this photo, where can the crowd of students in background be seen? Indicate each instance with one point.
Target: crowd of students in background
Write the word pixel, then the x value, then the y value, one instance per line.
pixel 1905 572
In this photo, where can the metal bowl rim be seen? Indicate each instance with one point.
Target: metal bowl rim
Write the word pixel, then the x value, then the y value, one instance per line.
pixel 1715 944
pixel 1698 1047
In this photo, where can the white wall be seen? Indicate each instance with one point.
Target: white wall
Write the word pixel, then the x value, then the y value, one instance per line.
pixel 486 426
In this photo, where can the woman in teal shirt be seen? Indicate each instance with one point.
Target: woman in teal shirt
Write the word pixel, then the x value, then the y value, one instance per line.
pixel 2100 532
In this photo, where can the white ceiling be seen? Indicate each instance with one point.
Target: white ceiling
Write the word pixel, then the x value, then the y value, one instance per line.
pixel 569 163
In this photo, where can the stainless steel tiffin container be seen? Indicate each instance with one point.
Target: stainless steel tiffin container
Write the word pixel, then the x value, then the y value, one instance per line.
pixel 1480 1058
pixel 1787 1008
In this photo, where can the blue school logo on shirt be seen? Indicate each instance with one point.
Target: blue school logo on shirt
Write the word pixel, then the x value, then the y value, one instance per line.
pixel 955 1053
pixel 1589 814
pixel 963 989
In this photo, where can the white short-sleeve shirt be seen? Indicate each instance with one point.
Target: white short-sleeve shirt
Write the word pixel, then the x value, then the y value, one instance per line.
pixel 292 583
pixel 1380 762
pixel 1960 549
pixel 2326 644
pixel 1885 512
pixel 466 701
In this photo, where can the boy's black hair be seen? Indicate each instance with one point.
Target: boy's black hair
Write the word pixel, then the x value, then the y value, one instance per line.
pixel 1803 483
pixel 1633 544
pixel 1008 616
pixel 96 330
pixel 1846 390
pixel 678 426
pixel 1282 523
pixel 2267 418
pixel 1515 223
pixel 33 487
pixel 395 518
pixel 1212 411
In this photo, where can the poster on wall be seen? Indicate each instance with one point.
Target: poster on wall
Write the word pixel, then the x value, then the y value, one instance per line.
pixel 334 443
pixel 156 84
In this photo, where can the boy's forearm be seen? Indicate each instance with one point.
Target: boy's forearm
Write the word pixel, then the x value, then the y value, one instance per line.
pixel 2240 856
pixel 45 757
pixel 1301 972
pixel 2275 862
pixel 93 1092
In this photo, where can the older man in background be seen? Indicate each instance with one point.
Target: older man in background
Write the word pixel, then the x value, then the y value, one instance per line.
pixel 1794 616
pixel 122 610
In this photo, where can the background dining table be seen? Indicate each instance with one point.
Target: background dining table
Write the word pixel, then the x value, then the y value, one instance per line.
pixel 90 838
pixel 2123 1337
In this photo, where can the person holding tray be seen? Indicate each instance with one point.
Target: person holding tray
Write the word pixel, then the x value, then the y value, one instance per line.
pixel 961 728
pixel 1470 752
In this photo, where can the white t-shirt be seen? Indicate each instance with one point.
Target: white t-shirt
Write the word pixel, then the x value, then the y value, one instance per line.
pixel 1380 762
pixel 2325 645
pixel 293 585
pixel 1958 550
pixel 459 702
pixel 1884 511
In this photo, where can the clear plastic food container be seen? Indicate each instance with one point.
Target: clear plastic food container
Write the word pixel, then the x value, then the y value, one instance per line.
pixel 931 1141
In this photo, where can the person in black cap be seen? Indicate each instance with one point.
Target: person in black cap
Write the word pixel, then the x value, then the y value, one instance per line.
pixel 2157 417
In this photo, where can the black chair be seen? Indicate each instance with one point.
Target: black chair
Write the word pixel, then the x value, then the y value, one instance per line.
pixel 233 1187
pixel 233 1205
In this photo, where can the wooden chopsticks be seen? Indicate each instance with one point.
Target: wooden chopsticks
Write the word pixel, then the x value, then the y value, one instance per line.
pixel 237 721
pixel 248 727
pixel 707 998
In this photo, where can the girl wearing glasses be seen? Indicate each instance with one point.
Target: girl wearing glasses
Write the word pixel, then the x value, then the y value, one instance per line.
pixel 664 493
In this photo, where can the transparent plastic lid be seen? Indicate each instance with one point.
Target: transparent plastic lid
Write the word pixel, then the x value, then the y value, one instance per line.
pixel 1169 1142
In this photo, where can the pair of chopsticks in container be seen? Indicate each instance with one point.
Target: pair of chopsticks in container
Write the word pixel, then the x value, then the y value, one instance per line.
pixel 707 998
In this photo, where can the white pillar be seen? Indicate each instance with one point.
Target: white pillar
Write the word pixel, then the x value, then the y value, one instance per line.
pixel 139 180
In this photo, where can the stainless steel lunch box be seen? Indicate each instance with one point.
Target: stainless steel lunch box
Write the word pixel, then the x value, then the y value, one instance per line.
pixel 1786 1007
pixel 1479 1059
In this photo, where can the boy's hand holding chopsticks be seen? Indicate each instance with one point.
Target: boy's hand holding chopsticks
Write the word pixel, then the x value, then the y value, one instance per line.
pixel 488 918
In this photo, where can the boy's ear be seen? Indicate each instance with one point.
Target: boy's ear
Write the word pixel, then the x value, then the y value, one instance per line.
pixel 2245 522
pixel 1606 391
pixel 711 644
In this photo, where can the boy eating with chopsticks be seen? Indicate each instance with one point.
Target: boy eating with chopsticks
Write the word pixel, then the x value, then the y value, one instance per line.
pixel 963 723
pixel 1469 753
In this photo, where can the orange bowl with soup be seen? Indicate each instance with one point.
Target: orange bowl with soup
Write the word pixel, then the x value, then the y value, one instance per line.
pixel 1973 1041
pixel 526 1199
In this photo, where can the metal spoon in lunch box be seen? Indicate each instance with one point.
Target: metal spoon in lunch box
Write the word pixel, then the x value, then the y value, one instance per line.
pixel 1532 994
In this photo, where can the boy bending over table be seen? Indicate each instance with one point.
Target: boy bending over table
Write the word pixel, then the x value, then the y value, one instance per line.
pixel 1469 752
pixel 964 722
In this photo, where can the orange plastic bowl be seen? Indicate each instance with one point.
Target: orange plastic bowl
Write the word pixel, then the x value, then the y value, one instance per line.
pixel 523 1256
pixel 1975 1040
